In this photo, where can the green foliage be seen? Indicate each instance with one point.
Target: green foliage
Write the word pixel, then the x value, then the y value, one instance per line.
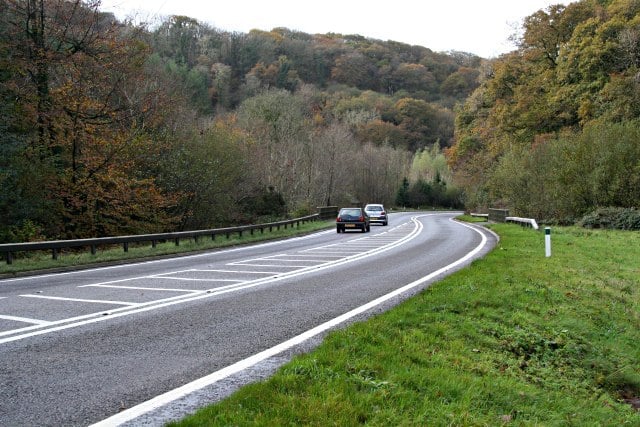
pixel 207 170
pixel 402 197
pixel 267 205
pixel 429 163
pixel 552 130
pixel 612 218
pixel 433 194
pixel 561 179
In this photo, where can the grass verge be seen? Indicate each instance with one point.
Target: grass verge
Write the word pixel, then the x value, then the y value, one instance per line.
pixel 515 339
pixel 40 261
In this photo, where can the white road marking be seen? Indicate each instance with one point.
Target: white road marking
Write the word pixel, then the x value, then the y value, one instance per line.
pixel 79 320
pixel 268 265
pixel 25 320
pixel 131 304
pixel 139 288
pixel 191 279
pixel 239 271
pixel 170 396
pixel 32 331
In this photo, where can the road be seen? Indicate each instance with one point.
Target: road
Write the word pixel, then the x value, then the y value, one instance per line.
pixel 145 343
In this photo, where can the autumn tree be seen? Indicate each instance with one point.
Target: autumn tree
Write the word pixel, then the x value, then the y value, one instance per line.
pixel 77 71
pixel 526 138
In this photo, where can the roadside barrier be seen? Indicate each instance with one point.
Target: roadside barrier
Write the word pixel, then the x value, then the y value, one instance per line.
pixel 9 249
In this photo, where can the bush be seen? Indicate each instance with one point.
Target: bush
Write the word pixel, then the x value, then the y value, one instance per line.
pixel 612 218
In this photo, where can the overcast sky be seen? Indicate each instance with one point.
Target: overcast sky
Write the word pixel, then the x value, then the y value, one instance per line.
pixel 482 27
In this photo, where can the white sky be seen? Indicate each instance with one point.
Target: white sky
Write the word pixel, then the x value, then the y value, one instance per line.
pixel 482 27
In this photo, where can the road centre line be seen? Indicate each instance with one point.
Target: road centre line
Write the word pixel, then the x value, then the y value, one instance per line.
pixel 130 304
pixel 173 395
pixel 157 304
pixel 25 320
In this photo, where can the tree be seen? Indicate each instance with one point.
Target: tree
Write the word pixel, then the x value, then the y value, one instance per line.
pixel 402 197
pixel 77 72
pixel 276 121
pixel 177 38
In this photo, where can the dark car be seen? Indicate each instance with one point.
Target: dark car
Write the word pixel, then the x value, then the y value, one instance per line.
pixel 352 219
pixel 377 213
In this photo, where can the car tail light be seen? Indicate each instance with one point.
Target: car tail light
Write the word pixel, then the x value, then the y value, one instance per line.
pixel 338 219
pixel 361 218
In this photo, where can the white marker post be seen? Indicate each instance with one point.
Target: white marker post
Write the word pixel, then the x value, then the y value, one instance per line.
pixel 547 241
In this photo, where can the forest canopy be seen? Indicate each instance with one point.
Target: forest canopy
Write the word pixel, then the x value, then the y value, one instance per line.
pixel 112 127
pixel 553 130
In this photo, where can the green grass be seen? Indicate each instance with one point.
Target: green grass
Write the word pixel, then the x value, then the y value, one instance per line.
pixel 39 261
pixel 515 339
pixel 469 218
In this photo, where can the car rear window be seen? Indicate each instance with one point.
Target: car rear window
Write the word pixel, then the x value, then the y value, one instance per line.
pixel 350 213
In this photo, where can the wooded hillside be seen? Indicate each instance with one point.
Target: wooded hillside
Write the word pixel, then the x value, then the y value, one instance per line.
pixel 553 131
pixel 114 128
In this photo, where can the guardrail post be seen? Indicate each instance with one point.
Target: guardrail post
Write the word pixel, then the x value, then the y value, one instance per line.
pixel 54 253
pixel 177 241
pixel 125 246
pixel 9 258
pixel 195 239
pixel 154 243
pixel 93 249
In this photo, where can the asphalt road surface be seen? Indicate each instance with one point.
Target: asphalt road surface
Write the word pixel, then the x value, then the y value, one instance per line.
pixel 146 343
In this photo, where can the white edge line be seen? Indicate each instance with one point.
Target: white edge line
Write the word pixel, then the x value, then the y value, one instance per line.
pixel 241 365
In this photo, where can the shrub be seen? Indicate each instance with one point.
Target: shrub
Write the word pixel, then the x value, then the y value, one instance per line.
pixel 612 218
